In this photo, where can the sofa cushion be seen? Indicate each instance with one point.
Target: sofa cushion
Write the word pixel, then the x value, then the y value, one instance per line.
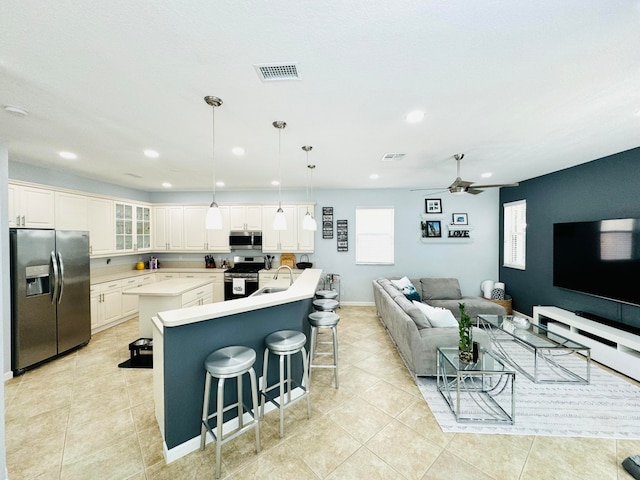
pixel 414 312
pixel 440 289
pixel 438 317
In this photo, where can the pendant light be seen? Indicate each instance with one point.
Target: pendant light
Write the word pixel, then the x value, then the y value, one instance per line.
pixel 214 216
pixel 280 221
pixel 308 222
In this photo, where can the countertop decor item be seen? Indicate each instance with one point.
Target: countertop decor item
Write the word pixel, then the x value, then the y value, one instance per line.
pixel 303 265
pixel 140 266
pixel 288 259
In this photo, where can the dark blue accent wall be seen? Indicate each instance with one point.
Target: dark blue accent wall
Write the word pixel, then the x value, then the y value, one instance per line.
pixel 605 188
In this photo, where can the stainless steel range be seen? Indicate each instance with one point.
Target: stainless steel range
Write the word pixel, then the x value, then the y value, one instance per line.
pixel 242 279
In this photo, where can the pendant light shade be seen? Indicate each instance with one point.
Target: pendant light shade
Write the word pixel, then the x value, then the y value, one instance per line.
pixel 214 216
pixel 280 221
pixel 308 222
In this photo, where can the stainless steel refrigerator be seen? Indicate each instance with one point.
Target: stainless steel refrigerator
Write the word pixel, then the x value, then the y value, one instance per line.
pixel 50 294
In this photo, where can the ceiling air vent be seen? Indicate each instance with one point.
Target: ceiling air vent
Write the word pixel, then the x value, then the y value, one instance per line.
pixel 276 72
pixel 392 157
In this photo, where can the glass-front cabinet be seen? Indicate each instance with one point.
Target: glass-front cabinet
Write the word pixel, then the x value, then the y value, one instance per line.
pixel 132 227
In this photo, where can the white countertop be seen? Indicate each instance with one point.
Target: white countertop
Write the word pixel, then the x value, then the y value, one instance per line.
pixel 168 288
pixel 110 277
pixel 304 287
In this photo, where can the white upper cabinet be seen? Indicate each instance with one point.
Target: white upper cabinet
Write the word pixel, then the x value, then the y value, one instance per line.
pixel 197 237
pixel 30 207
pixel 100 225
pixel 245 217
pixel 132 227
pixel 72 211
pixel 294 238
pixel 167 228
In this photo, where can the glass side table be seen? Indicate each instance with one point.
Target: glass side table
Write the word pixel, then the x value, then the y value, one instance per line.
pixel 480 392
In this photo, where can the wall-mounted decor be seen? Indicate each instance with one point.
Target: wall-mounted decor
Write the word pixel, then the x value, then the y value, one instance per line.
pixel 431 229
pixel 327 222
pixel 459 219
pixel 433 205
pixel 342 230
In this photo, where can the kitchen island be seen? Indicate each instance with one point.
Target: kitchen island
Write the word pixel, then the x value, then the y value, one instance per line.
pixel 168 295
pixel 183 338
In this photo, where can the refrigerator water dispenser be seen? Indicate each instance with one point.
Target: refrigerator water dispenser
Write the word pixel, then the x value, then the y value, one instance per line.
pixel 37 278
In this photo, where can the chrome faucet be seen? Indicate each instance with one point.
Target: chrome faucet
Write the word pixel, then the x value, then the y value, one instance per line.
pixel 275 277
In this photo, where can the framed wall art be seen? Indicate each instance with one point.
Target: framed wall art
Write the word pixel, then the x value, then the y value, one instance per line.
pixel 327 222
pixel 459 219
pixel 431 229
pixel 433 205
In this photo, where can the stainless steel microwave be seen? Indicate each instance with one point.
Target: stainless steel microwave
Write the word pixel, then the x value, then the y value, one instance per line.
pixel 245 240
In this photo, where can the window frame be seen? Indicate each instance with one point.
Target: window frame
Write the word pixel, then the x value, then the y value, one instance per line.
pixel 373 239
pixel 515 235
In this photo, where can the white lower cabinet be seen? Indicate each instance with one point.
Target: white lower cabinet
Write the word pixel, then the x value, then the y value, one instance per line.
pixel 106 303
pixel 130 302
pixel 217 279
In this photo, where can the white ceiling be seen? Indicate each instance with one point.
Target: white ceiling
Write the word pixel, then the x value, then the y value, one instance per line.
pixel 522 88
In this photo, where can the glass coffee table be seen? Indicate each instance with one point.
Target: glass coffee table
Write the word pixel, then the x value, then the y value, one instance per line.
pixel 539 354
pixel 480 392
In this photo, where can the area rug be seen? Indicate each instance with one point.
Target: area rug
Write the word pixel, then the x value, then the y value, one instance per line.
pixel 608 407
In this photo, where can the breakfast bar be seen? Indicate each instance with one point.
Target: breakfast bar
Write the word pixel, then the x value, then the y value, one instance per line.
pixel 183 338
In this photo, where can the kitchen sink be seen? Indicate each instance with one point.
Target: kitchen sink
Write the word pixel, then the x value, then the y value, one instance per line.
pixel 265 290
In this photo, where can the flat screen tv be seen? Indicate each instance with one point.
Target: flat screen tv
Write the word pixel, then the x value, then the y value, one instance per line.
pixel 600 258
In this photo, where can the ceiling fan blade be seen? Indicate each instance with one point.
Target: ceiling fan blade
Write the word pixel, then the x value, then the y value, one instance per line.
pixel 458 182
pixel 497 185
pixel 474 191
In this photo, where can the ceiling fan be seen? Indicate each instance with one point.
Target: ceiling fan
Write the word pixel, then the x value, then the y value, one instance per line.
pixel 462 186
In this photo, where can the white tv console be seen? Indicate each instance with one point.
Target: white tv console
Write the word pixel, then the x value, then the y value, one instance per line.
pixel 610 346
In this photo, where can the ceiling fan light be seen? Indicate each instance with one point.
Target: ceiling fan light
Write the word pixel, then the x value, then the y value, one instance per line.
pixel 280 221
pixel 309 223
pixel 458 190
pixel 214 217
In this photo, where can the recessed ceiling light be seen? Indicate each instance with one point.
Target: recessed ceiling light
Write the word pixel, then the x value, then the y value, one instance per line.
pixel 16 110
pixel 374 176
pixel 68 155
pixel 237 151
pixel 151 154
pixel 414 117
pixel 166 184
pixel 486 174
pixel 275 183
pixel 219 183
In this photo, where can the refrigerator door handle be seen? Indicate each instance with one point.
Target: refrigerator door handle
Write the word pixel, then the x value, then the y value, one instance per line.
pixel 61 279
pixel 56 278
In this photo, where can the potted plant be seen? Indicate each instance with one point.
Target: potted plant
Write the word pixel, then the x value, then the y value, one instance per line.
pixel 465 327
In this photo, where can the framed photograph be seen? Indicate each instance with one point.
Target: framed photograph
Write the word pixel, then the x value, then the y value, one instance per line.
pixel 433 205
pixel 432 229
pixel 459 219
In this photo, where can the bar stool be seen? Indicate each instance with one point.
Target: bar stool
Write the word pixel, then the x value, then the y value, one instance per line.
pixel 319 320
pixel 285 343
pixel 325 304
pixel 332 294
pixel 229 362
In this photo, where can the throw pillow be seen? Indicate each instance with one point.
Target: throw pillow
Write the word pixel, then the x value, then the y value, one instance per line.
pixel 411 293
pixel 440 289
pixel 401 283
pixel 407 288
pixel 438 317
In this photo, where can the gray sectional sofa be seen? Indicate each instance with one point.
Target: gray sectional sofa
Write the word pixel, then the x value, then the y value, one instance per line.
pixel 416 340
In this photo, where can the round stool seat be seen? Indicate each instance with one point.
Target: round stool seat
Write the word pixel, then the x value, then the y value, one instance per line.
pixel 230 360
pixel 323 319
pixel 326 294
pixel 285 341
pixel 325 304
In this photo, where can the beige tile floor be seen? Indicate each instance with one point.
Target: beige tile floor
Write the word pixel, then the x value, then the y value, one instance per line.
pixel 81 417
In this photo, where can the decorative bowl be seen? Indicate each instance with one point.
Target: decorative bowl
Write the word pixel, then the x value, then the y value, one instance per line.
pixel 520 322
